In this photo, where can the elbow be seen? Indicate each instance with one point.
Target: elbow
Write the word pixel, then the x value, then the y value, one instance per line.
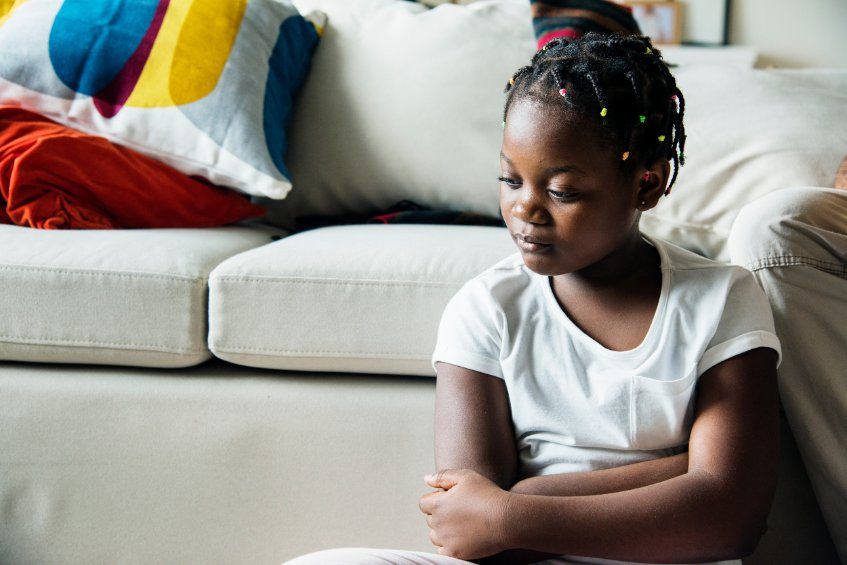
pixel 729 547
pixel 742 544
pixel 740 538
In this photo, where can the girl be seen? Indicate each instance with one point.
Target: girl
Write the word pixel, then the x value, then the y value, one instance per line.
pixel 601 394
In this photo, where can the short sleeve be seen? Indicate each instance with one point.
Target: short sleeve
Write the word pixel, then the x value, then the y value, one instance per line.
pixel 746 323
pixel 470 331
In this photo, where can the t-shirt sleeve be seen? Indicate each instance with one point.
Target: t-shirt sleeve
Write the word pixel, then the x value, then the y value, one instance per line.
pixel 469 334
pixel 746 323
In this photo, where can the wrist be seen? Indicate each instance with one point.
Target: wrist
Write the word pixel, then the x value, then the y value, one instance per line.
pixel 505 520
pixel 521 487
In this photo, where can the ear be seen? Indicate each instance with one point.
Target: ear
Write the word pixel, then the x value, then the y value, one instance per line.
pixel 652 183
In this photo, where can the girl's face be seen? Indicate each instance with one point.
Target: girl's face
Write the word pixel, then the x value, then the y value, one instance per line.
pixel 564 198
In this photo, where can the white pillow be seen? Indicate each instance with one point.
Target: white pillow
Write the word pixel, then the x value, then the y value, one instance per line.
pixel 406 103
pixel 403 102
pixel 750 132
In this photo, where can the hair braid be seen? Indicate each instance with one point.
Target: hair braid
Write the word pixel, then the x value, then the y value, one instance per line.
pixel 613 80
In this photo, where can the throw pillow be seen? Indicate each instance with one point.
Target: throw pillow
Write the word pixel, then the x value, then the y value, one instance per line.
pixel 205 86
pixel 572 19
pixel 52 177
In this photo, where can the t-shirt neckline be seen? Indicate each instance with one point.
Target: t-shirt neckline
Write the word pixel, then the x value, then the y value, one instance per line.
pixel 656 323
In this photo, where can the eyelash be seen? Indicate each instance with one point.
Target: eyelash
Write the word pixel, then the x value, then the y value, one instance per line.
pixel 555 194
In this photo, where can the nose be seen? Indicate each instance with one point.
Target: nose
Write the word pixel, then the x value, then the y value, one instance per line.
pixel 528 206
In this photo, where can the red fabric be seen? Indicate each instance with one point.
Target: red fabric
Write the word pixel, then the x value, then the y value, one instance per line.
pixel 53 177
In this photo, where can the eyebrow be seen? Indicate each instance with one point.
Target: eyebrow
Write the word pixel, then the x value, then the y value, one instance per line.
pixel 551 170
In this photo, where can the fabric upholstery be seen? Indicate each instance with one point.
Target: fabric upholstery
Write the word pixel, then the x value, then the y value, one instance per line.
pixel 364 299
pixel 127 297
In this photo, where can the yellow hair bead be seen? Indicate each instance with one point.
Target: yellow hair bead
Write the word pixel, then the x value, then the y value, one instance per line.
pixel 661 138
pixel 512 81
pixel 648 51
pixel 625 156
pixel 604 111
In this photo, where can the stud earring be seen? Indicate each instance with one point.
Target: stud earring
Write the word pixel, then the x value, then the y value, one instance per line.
pixel 646 177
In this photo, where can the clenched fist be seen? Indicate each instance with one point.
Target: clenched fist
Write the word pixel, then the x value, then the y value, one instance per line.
pixel 467 518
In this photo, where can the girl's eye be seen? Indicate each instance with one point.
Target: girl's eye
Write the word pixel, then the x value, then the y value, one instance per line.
pixel 568 196
pixel 509 182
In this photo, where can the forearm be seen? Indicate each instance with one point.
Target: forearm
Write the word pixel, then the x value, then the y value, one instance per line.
pixel 687 518
pixel 605 481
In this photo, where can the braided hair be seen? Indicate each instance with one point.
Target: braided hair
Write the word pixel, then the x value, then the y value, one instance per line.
pixel 620 80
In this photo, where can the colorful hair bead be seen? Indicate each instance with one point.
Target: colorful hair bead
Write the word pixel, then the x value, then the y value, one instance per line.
pixel 604 111
pixel 512 81
pixel 563 91
pixel 661 138
pixel 504 124
pixel 642 119
pixel 648 51
pixel 625 156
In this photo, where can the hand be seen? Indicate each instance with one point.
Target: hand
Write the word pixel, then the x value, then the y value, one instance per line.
pixel 466 518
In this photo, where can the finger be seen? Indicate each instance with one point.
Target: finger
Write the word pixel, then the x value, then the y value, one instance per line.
pixel 429 502
pixel 445 478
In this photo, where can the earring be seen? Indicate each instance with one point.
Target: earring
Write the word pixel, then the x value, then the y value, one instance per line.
pixel 646 177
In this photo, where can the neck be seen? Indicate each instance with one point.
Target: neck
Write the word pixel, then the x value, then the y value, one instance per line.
pixel 633 260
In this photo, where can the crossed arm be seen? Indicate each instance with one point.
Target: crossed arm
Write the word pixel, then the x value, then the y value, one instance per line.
pixel 708 504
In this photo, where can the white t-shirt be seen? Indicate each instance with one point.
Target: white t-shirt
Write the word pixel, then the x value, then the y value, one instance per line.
pixel 577 406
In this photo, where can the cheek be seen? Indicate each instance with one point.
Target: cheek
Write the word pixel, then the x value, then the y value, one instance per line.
pixel 505 202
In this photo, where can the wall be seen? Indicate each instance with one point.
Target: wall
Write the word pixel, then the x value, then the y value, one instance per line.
pixel 792 33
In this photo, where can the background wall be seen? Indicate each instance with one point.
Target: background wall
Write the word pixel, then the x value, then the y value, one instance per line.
pixel 792 33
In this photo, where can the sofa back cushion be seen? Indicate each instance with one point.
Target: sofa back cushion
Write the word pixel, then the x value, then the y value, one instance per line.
pixel 406 103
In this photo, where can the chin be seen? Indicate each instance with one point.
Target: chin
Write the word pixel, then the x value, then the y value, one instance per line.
pixel 540 264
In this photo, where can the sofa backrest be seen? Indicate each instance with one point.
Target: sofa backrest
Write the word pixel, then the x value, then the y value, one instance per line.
pixel 403 102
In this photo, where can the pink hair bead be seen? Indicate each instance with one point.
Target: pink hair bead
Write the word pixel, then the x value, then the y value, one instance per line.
pixel 563 92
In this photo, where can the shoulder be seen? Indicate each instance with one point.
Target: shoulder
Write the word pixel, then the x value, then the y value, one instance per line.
pixel 695 270
pixel 502 281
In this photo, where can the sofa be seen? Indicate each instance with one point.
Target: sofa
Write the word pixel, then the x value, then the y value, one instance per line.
pixel 250 393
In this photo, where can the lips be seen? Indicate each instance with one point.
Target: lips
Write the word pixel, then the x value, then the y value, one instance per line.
pixel 530 243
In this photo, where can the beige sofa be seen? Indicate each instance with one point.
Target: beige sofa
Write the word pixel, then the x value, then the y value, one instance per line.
pixel 237 396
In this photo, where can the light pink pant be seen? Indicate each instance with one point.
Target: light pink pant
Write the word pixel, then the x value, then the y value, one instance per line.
pixel 362 556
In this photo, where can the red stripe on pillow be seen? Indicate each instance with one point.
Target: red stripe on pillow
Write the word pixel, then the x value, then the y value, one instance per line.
pixel 568 33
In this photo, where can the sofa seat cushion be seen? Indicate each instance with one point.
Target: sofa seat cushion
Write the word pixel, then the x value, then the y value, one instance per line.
pixel 121 297
pixel 363 299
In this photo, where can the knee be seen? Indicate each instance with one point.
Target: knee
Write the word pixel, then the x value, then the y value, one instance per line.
pixel 791 221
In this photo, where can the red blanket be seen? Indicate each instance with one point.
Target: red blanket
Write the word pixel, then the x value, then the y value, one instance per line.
pixel 56 178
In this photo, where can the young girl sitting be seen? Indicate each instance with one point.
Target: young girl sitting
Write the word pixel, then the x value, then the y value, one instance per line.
pixel 602 395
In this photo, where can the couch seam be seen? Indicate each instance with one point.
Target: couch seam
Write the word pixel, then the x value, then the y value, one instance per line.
pixel 104 344
pixel 293 352
pixel 93 272
pixel 338 282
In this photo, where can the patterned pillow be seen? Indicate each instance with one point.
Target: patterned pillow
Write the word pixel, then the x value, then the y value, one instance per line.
pixel 205 86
